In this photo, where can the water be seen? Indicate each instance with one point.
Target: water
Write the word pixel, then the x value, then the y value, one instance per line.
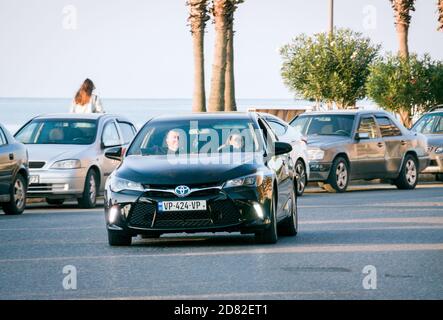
pixel 14 112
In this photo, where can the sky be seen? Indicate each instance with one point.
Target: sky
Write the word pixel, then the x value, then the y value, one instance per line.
pixel 143 48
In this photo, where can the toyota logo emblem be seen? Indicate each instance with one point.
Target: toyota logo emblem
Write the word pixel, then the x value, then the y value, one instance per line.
pixel 182 191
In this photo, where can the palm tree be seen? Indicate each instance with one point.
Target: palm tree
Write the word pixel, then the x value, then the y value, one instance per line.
pixel 220 11
pixel 440 15
pixel 198 15
pixel 402 12
pixel 230 104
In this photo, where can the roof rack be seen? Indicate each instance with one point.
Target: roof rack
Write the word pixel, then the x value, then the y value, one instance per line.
pixel 435 108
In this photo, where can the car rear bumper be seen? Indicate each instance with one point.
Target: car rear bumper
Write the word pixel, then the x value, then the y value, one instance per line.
pixel 57 183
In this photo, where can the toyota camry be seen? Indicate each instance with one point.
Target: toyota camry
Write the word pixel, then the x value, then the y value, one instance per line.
pixel 202 173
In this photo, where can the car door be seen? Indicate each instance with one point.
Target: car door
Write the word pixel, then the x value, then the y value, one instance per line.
pixel 110 138
pixel 370 151
pixel 282 166
pixel 395 143
pixel 6 164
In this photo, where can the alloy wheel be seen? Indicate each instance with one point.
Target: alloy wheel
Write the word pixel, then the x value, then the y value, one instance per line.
pixel 342 175
pixel 19 194
pixel 411 172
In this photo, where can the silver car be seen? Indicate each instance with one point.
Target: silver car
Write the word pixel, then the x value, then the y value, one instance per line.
pixel 431 125
pixel 66 154
pixel 352 145
pixel 288 134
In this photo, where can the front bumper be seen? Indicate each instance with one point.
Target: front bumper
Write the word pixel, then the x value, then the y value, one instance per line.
pixel 435 164
pixel 319 171
pixel 227 210
pixel 57 183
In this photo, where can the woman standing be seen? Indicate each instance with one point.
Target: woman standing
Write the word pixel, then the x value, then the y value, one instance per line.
pixel 85 101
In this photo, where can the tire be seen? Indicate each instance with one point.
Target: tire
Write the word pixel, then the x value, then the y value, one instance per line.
pixel 269 235
pixel 17 203
pixel 55 202
pixel 339 175
pixel 408 177
pixel 118 239
pixel 439 177
pixel 289 227
pixel 89 197
pixel 300 175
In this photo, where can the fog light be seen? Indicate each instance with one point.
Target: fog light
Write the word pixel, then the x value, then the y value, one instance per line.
pixel 259 210
pixel 113 213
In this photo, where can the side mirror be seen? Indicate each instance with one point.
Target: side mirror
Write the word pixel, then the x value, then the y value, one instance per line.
pixel 282 148
pixel 115 153
pixel 362 136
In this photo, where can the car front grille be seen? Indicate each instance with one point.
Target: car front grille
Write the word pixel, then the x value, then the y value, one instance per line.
pixel 40 187
pixel 219 213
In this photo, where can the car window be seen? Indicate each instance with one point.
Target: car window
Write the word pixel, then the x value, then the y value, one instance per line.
pixel 2 137
pixel 430 124
pixel 279 129
pixel 387 127
pixel 300 124
pixel 367 125
pixel 128 131
pixel 110 135
pixel 58 131
pixel 327 125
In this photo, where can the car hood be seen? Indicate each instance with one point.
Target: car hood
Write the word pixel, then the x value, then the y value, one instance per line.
pixel 435 140
pixel 326 141
pixel 186 170
pixel 54 152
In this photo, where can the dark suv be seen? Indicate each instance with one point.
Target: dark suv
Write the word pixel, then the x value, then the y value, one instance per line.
pixel 357 144
pixel 13 173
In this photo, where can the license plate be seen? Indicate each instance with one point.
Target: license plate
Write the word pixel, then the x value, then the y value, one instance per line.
pixel 185 205
pixel 34 179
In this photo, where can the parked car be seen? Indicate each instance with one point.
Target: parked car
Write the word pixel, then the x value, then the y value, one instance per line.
pixel 66 154
pixel 351 145
pixel 287 133
pixel 431 125
pixel 13 173
pixel 190 173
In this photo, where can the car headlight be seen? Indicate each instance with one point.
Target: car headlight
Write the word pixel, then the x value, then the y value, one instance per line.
pixel 255 179
pixel 67 164
pixel 438 150
pixel 118 184
pixel 315 154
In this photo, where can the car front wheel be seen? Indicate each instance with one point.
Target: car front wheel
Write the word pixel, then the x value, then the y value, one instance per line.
pixel 339 175
pixel 17 202
pixel 89 197
pixel 269 235
pixel 289 226
pixel 300 175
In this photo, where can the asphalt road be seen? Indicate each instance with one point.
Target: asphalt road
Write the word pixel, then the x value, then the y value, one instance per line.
pixel 400 233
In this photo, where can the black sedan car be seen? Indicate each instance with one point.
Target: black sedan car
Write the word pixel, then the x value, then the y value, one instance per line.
pixel 202 173
pixel 13 173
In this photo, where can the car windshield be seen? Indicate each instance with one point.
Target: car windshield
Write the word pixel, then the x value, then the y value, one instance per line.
pixel 324 125
pixel 205 136
pixel 56 131
pixel 430 124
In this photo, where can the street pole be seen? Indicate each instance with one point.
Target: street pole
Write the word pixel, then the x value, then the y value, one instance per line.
pixel 331 17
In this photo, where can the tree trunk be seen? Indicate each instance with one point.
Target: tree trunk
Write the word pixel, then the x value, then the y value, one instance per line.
pixel 230 104
pixel 216 98
pixel 199 98
pixel 440 15
pixel 198 16
pixel 405 117
pixel 402 36
pixel 402 12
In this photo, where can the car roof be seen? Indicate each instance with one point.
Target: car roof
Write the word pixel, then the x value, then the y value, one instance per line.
pixel 80 116
pixel 344 112
pixel 204 116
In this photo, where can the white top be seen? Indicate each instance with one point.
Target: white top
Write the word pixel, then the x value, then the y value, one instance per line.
pixel 93 106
